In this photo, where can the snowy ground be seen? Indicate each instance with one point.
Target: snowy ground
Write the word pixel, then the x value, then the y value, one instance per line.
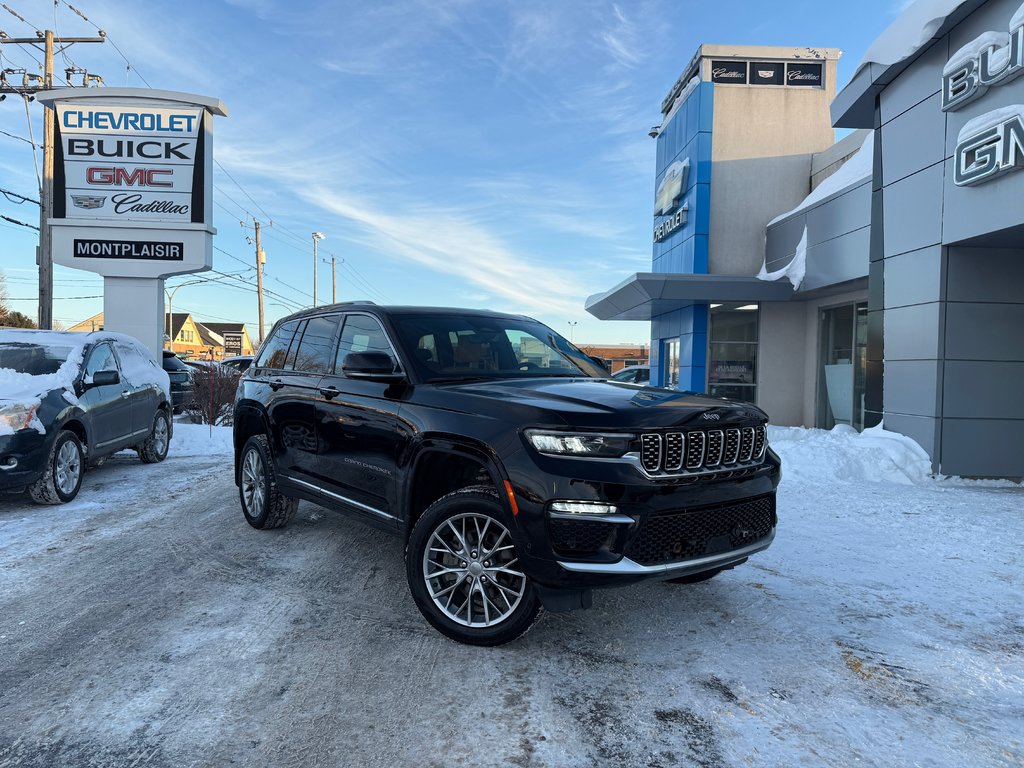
pixel 146 624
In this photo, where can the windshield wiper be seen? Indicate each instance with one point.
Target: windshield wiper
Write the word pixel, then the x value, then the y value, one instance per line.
pixel 458 379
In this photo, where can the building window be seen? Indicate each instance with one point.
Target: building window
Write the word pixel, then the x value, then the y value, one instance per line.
pixel 842 348
pixel 732 351
pixel 670 363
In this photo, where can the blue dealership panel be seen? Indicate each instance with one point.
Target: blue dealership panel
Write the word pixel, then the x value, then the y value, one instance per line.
pixel 685 250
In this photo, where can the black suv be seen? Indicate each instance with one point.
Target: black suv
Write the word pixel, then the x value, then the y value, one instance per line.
pixel 517 472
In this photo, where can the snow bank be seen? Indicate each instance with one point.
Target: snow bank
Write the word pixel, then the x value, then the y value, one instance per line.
pixel 200 440
pixel 844 455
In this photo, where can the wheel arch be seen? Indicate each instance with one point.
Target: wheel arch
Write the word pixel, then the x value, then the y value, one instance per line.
pixel 249 419
pixel 445 463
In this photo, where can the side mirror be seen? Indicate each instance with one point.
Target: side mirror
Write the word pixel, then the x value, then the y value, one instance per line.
pixel 372 366
pixel 102 379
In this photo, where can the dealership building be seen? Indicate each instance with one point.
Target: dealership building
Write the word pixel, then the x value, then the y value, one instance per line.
pixel 876 278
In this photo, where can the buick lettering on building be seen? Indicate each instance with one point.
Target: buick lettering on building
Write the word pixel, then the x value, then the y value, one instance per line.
pixel 992 143
pixel 128 164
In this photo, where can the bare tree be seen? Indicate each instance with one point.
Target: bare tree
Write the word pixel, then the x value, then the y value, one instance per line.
pixel 213 394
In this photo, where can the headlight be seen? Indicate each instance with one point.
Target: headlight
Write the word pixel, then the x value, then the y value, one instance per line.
pixel 16 417
pixel 595 444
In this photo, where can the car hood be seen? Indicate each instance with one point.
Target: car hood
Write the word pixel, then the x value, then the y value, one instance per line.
pixel 602 402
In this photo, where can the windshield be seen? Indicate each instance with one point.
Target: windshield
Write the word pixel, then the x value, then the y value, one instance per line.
pixel 33 359
pixel 462 347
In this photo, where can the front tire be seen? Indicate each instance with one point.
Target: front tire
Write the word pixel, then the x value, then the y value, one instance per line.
pixel 154 448
pixel 263 504
pixel 464 573
pixel 62 476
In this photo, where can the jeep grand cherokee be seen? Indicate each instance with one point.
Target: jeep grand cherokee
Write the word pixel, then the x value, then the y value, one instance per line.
pixel 519 475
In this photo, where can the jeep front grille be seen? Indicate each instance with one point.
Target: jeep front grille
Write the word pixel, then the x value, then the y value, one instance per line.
pixel 698 450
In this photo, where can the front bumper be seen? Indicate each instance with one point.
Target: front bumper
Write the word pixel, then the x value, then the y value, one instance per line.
pixel 22 459
pixel 660 530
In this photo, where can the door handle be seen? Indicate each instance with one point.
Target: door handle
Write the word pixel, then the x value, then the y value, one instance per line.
pixel 276 384
pixel 330 392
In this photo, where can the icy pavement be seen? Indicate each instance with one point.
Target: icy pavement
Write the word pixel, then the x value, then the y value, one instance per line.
pixel 147 625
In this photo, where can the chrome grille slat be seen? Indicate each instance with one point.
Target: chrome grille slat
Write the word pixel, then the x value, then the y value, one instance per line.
pixel 747 444
pixel 695 449
pixel 732 446
pixel 650 452
pixel 716 440
pixel 673 451
pixel 732 451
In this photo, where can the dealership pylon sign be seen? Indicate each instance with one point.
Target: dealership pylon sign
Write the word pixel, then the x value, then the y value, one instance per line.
pixel 133 194
pixel 133 180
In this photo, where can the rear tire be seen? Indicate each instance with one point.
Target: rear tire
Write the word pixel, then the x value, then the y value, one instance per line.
pixel 464 573
pixel 154 448
pixel 263 504
pixel 62 477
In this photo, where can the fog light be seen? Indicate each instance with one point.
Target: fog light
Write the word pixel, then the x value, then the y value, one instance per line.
pixel 583 508
pixel 8 462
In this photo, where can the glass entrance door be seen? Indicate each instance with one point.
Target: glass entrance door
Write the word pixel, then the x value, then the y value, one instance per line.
pixel 841 364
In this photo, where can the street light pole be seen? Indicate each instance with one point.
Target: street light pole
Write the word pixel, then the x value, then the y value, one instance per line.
pixel 317 237
pixel 572 330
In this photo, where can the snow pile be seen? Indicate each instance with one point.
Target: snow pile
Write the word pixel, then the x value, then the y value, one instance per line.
pixel 859 167
pixel 843 455
pixel 909 33
pixel 794 271
pixel 200 440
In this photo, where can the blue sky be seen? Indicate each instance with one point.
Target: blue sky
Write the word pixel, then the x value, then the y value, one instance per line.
pixel 454 152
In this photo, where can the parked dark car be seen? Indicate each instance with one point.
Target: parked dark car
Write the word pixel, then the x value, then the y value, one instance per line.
pixel 180 376
pixel 71 399
pixel 517 472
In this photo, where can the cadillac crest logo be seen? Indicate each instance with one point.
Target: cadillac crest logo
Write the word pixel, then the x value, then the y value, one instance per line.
pixel 89 202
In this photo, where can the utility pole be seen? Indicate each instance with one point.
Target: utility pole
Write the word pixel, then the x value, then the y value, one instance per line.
pixel 45 255
pixel 334 282
pixel 261 259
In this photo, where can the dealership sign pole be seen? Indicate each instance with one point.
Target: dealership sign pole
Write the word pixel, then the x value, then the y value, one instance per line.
pixel 133 195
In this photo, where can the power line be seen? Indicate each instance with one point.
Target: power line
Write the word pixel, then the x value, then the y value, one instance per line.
pixel 104 34
pixel 21 198
pixel 19 138
pixel 21 223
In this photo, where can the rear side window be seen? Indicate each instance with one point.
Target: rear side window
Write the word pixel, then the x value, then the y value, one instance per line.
pixel 362 334
pixel 316 349
pixel 276 350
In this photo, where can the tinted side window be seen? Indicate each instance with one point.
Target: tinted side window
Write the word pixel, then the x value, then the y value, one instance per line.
pixel 100 359
pixel 316 350
pixel 361 334
pixel 276 350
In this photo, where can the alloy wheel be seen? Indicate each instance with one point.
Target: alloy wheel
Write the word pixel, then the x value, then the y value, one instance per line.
pixel 253 483
pixel 68 468
pixel 469 567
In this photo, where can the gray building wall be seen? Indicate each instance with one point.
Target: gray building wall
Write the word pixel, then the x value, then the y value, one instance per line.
pixel 761 154
pixel 950 312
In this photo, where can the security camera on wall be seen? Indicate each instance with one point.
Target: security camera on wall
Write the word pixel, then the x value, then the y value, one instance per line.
pixel 655 130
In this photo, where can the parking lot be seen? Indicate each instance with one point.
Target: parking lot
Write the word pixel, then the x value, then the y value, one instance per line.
pixel 146 624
